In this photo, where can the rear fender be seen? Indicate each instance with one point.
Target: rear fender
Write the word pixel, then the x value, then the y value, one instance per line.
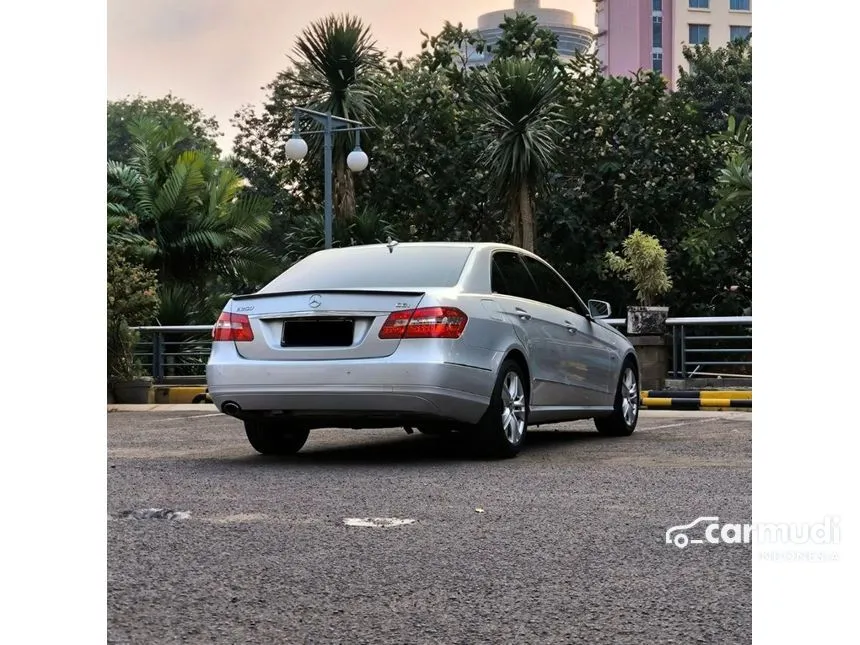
pixel 511 349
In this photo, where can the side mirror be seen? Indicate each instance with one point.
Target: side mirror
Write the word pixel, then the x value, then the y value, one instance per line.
pixel 599 309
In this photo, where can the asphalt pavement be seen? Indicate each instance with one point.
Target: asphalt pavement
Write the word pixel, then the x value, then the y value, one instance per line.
pixel 564 544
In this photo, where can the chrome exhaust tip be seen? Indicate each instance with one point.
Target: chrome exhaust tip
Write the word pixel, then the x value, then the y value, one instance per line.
pixel 231 408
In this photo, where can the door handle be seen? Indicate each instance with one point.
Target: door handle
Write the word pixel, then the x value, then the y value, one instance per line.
pixel 523 314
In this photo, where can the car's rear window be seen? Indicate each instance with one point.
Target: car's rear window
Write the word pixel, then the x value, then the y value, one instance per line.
pixel 374 267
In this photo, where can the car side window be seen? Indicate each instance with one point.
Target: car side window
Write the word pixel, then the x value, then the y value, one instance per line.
pixel 552 290
pixel 498 281
pixel 510 277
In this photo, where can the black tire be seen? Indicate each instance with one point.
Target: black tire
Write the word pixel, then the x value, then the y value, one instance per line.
pixel 622 423
pixel 270 437
pixel 492 437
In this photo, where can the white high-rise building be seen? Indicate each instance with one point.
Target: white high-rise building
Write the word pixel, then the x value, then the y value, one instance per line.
pixel 571 37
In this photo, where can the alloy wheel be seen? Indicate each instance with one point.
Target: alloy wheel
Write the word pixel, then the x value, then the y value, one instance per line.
pixel 629 396
pixel 513 408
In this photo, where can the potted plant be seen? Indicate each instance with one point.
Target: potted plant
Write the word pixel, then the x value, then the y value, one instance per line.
pixel 643 262
pixel 132 298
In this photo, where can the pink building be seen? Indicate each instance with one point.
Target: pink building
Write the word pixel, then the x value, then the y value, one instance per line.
pixel 651 34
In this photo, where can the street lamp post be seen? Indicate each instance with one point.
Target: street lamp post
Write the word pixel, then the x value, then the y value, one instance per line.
pixel 296 148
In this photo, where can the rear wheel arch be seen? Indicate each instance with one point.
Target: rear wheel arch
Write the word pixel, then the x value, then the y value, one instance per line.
pixel 632 359
pixel 518 357
pixel 502 429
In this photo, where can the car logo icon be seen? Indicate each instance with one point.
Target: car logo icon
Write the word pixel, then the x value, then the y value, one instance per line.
pixel 315 301
pixel 681 539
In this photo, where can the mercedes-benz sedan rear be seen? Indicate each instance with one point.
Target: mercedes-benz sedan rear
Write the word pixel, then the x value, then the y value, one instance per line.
pixel 413 335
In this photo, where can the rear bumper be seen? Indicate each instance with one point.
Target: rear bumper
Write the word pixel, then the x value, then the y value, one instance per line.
pixel 351 390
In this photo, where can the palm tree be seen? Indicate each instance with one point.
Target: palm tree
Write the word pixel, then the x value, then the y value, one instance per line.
pixel 519 100
pixel 184 214
pixel 307 234
pixel 335 59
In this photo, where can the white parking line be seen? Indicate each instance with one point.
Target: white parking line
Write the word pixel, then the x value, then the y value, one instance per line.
pixel 377 522
pixel 194 416
pixel 676 425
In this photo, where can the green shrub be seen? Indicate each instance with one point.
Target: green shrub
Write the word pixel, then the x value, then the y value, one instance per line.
pixel 642 262
pixel 132 299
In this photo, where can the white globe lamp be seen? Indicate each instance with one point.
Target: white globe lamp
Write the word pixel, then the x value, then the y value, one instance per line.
pixel 296 148
pixel 357 160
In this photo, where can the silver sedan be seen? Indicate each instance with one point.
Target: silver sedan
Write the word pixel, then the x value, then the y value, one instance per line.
pixel 481 338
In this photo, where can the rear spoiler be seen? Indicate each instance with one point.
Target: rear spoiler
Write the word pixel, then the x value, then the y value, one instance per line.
pixel 387 292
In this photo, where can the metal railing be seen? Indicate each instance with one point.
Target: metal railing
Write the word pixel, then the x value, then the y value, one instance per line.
pixel 701 347
pixel 695 346
pixel 175 354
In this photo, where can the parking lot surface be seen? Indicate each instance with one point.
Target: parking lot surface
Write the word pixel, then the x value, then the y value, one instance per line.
pixel 564 544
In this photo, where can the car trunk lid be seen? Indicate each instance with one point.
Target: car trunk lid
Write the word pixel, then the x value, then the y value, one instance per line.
pixel 320 325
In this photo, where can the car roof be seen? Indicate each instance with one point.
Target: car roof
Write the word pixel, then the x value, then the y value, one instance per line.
pixel 474 245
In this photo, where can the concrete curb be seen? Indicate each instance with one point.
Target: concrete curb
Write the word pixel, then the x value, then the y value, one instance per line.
pixel 162 407
pixel 176 394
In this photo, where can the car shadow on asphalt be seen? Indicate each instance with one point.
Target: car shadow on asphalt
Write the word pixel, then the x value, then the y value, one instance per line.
pixel 415 449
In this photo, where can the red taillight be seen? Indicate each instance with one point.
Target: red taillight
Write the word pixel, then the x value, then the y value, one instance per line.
pixel 232 327
pixel 427 322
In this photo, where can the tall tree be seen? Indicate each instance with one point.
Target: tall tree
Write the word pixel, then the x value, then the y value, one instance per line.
pixel 719 242
pixel 522 37
pixel 633 157
pixel 519 100
pixel 425 176
pixel 334 60
pixel 203 130
pixel 719 83
pixel 449 50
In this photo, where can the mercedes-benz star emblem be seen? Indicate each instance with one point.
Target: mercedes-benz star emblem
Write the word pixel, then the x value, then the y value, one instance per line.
pixel 315 301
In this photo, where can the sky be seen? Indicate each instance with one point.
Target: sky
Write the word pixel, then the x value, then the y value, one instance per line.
pixel 218 54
